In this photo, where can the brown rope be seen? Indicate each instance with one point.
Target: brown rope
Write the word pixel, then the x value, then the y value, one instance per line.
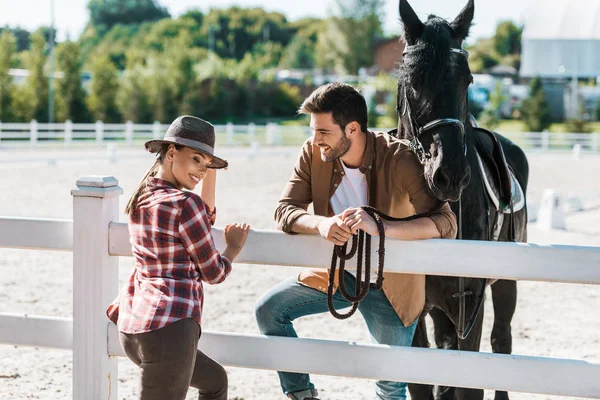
pixel 359 242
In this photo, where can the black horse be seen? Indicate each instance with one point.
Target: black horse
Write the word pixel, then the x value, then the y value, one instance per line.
pixel 433 119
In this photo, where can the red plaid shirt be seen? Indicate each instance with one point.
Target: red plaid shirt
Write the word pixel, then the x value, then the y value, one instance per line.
pixel 174 252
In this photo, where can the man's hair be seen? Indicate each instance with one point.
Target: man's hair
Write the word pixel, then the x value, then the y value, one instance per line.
pixel 343 101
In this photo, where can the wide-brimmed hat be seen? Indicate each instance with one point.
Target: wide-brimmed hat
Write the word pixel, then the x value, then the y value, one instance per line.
pixel 191 132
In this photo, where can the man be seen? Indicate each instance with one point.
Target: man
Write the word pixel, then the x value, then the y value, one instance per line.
pixel 341 167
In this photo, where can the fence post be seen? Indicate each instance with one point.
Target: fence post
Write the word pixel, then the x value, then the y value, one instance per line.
pixel 595 140
pixel 270 134
pixel 229 132
pixel 68 132
pixel 251 132
pixel 33 132
pixel 156 130
pixel 99 132
pixel 95 285
pixel 545 140
pixel 129 132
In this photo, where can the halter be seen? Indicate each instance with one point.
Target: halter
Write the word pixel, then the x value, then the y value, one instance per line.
pixel 415 144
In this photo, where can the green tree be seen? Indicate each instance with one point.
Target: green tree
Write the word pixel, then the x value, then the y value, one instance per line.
pixel 507 39
pixel 490 117
pixel 33 97
pixel 132 97
pixel 21 36
pixel 332 47
pixel 235 31
pixel 299 53
pixel 161 93
pixel 7 51
pixel 360 24
pixel 535 111
pixel 112 12
pixel 102 100
pixel 70 95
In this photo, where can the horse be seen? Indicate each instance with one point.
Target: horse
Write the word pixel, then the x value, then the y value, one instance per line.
pixel 481 174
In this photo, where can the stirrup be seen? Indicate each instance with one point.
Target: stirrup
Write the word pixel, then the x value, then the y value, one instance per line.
pixel 308 394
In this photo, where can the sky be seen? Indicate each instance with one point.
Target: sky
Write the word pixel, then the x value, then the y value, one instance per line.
pixel 71 16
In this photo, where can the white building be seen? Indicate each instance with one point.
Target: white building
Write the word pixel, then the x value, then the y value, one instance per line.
pixel 562 40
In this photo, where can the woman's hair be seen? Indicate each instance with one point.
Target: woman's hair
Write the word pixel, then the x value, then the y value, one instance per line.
pixel 141 187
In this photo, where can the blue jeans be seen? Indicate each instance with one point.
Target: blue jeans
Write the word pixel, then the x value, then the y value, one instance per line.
pixel 282 304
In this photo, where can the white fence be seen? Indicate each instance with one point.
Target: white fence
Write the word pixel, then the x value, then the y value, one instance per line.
pixel 67 133
pixel 96 239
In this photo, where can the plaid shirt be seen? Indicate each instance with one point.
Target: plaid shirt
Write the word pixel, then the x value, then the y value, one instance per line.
pixel 174 252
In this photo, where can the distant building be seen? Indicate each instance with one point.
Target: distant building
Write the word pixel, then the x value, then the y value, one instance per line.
pixel 561 42
pixel 561 39
pixel 388 54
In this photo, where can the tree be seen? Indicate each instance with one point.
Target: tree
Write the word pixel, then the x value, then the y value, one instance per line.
pixel 102 100
pixel 7 51
pixel 535 111
pixel 490 117
pixel 21 36
pixel 299 53
pixel 33 98
pixel 132 97
pixel 332 47
pixel 70 95
pixel 360 24
pixel 112 12
pixel 507 39
pixel 235 31
pixel 161 92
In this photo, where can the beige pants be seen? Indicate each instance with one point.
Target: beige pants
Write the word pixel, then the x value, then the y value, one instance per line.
pixel 170 363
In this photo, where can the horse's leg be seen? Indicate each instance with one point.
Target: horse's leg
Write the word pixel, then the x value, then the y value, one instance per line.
pixel 471 343
pixel 504 294
pixel 418 391
pixel 445 338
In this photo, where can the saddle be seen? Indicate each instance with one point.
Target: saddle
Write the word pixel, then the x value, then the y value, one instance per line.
pixel 499 180
pixel 490 152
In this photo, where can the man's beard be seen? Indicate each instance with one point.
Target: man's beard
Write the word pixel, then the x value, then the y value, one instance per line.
pixel 338 151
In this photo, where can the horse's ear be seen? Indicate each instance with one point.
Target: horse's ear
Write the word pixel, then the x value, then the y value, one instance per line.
pixel 462 23
pixel 413 27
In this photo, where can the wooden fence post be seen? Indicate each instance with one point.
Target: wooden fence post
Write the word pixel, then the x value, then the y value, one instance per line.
pixel 95 286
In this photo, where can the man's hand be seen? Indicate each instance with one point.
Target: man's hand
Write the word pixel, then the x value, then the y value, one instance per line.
pixel 334 230
pixel 357 218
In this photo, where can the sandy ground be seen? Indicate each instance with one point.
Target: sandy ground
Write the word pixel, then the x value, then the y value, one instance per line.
pixel 552 320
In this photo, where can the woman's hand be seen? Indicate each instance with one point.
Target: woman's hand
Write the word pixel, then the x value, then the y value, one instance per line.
pixel 357 218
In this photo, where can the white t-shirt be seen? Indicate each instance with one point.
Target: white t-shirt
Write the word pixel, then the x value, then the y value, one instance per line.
pixel 352 192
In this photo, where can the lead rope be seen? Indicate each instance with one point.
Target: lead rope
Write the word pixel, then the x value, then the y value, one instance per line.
pixel 359 242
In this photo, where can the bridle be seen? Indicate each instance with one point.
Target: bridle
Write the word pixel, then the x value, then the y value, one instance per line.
pixel 417 131
pixel 463 328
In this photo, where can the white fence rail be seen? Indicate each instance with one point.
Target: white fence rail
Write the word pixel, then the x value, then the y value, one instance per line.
pixel 96 240
pixel 67 133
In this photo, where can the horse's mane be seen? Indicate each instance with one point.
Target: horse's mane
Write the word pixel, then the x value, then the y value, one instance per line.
pixel 427 63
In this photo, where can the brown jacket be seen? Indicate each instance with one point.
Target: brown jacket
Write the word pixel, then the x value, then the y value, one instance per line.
pixel 396 187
